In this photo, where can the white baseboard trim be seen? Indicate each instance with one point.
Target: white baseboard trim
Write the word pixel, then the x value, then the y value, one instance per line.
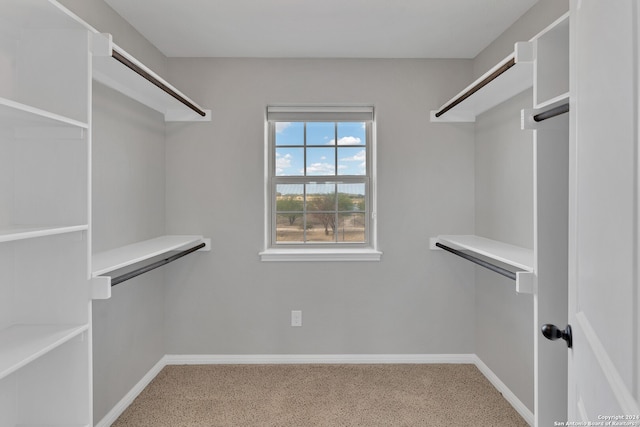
pixel 517 404
pixel 239 359
pixel 124 403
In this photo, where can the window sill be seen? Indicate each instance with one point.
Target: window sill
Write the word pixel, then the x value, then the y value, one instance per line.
pixel 329 254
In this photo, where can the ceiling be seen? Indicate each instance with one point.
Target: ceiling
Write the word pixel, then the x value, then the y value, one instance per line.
pixel 321 28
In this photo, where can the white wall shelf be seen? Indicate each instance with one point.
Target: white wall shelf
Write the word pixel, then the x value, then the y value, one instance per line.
pixel 45 317
pixel 20 232
pixel 115 259
pixel 18 116
pixel 22 344
pixel 114 74
pixel 511 255
pixel 509 77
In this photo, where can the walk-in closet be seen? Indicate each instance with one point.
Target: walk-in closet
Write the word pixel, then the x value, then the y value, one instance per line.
pixel 192 193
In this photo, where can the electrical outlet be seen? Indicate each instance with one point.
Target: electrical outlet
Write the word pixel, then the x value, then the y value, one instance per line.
pixel 296 317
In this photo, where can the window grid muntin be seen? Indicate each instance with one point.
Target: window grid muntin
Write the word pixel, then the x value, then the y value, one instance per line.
pixel 306 179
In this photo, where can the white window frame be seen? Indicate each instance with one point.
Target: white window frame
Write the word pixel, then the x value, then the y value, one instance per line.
pixel 367 251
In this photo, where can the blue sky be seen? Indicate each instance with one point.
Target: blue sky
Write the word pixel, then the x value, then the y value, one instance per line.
pixel 321 149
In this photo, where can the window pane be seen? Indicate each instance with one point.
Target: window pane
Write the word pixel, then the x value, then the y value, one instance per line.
pixel 350 228
pixel 352 133
pixel 289 133
pixel 321 161
pixel 289 228
pixel 321 197
pixel 290 217
pixel 289 162
pixel 321 133
pixel 289 198
pixel 352 161
pixel 321 227
pixel 351 197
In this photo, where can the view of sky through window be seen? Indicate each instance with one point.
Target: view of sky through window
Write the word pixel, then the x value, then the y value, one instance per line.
pixel 331 149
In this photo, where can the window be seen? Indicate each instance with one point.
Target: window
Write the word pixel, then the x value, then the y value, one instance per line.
pixel 320 189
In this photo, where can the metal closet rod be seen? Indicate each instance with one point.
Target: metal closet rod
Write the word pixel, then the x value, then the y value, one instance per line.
pixel 477 87
pixel 153 266
pixel 556 111
pixel 506 273
pixel 127 63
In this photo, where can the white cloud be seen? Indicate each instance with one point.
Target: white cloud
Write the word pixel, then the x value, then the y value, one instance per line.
pixel 282 162
pixel 346 140
pixel 281 126
pixel 320 169
pixel 361 159
pixel 360 156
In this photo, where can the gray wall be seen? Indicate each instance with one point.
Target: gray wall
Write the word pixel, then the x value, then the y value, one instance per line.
pixel 228 302
pixel 504 211
pixel 128 206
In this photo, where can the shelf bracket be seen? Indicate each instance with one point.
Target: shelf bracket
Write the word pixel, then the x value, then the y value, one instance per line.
pixel 538 118
pixel 101 287
pixel 525 283
pixel 101 44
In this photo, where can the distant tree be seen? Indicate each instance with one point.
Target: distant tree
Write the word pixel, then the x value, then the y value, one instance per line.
pixel 292 207
pixel 327 203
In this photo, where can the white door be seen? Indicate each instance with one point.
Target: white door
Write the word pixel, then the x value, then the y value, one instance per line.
pixel 604 372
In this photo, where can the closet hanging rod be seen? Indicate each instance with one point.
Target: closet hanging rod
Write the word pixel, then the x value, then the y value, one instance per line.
pixel 153 266
pixel 556 111
pixel 127 63
pixel 477 87
pixel 506 273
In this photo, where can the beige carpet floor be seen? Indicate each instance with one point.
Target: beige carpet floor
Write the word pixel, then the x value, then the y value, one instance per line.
pixel 320 395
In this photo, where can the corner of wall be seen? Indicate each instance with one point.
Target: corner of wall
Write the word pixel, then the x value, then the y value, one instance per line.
pixel 541 14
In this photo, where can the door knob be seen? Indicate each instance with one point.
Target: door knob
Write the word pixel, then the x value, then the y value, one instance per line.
pixel 551 332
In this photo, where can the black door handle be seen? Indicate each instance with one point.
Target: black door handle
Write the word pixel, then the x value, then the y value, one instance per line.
pixel 551 332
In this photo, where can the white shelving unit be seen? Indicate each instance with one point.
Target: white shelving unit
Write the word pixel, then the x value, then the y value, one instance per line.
pixel 45 140
pixel 545 267
pixel 50 57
